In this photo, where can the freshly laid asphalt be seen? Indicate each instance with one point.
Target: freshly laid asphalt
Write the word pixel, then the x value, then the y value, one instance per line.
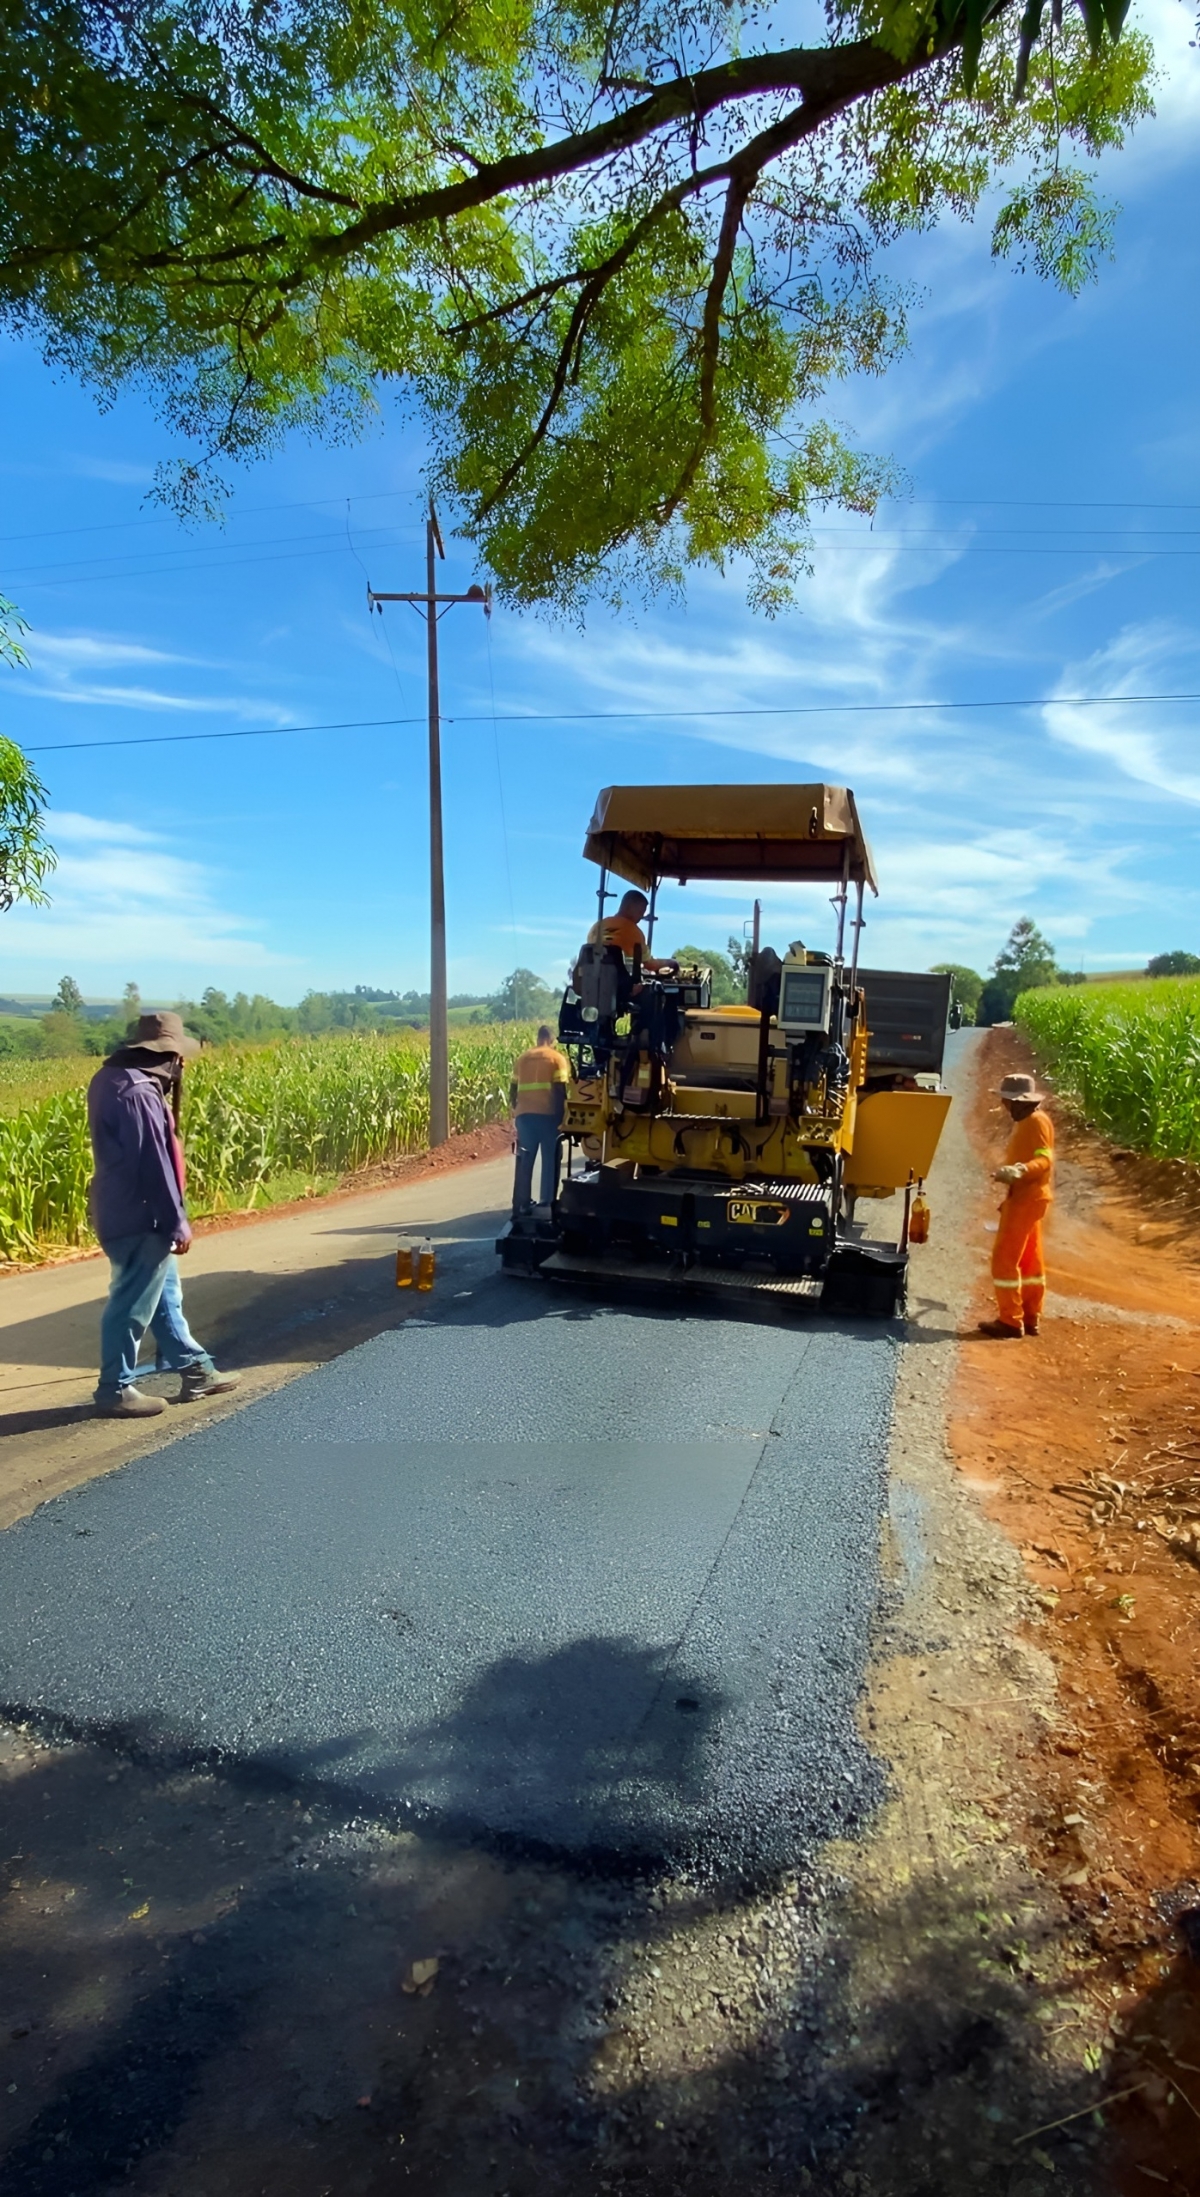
pixel 543 1572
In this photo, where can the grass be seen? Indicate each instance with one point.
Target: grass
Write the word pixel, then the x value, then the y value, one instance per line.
pixel 1128 1053
pixel 256 1120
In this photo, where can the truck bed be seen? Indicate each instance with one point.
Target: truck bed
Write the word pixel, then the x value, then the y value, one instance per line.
pixel 907 1014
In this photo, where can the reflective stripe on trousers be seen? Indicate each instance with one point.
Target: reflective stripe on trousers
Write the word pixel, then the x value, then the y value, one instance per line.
pixel 1018 1264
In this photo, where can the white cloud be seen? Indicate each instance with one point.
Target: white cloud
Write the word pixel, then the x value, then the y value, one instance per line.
pixel 1074 591
pixel 848 643
pixel 123 904
pixel 1171 25
pixel 119 471
pixel 65 652
pixel 1150 743
pixel 69 827
pixel 66 662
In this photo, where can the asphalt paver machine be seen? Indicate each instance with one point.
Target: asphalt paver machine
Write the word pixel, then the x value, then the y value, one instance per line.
pixel 727 1148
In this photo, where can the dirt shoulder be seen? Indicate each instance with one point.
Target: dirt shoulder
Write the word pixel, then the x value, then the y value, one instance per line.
pixel 1084 1446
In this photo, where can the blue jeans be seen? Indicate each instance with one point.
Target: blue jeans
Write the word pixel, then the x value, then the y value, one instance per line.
pixel 535 1133
pixel 144 1291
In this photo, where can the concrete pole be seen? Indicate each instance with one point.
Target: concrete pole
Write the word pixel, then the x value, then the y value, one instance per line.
pixel 439 1045
pixel 439 1048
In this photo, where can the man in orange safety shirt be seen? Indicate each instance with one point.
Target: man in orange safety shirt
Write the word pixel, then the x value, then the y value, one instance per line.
pixel 624 930
pixel 1018 1268
pixel 538 1097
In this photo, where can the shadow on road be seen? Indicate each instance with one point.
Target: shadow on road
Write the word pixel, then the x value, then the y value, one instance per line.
pixel 204 1990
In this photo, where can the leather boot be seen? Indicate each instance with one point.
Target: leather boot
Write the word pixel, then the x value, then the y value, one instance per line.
pixel 197 1381
pixel 129 1403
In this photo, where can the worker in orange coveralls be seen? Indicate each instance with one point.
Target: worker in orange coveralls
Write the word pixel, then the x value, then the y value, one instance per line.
pixel 1018 1269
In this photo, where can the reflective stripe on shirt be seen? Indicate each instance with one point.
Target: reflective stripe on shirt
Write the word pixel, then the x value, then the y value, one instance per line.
pixel 535 1076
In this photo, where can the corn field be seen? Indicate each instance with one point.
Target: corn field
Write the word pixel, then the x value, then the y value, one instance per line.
pixel 1128 1054
pixel 320 1107
pixel 24 1082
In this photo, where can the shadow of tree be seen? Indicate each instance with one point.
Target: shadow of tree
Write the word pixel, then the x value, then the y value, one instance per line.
pixel 203 1978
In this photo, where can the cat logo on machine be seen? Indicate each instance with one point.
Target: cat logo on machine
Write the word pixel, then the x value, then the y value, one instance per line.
pixel 758 1212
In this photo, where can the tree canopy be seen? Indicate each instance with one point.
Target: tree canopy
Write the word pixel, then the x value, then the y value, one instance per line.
pixel 967 984
pixel 522 997
pixel 1178 963
pixel 26 859
pixel 614 251
pixel 726 989
pixel 1025 962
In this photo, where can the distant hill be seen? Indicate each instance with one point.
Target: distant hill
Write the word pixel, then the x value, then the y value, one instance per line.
pixel 31 1006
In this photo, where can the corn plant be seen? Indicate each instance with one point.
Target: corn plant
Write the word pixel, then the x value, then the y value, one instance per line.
pixel 23 1082
pixel 1128 1055
pixel 318 1106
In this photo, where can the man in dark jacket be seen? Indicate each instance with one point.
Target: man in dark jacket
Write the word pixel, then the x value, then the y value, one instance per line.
pixel 139 1215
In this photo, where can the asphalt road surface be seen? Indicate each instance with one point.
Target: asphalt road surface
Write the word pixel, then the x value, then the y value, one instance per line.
pixel 544 1572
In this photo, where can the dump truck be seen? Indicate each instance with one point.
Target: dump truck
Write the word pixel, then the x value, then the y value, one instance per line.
pixel 725 1149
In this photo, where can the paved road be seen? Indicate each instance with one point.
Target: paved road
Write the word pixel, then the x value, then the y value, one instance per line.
pixel 547 1572
pixel 272 1298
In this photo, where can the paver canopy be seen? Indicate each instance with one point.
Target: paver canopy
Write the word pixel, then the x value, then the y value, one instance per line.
pixel 782 834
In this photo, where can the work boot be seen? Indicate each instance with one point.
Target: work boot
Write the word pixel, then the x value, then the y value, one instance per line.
pixel 197 1381
pixel 1000 1330
pixel 129 1403
pixel 1032 1327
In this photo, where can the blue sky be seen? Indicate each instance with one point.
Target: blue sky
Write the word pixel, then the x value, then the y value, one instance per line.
pixel 1048 548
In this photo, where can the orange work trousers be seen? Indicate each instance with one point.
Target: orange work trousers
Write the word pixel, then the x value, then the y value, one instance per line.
pixel 1018 1268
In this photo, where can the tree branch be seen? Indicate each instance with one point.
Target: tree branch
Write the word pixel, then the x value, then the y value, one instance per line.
pixel 740 186
pixel 585 304
pixel 267 161
pixel 828 78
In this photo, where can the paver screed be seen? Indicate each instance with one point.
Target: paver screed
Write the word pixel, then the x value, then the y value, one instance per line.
pixel 545 1573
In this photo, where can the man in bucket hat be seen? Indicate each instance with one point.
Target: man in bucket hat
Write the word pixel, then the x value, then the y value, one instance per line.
pixel 138 1213
pixel 1018 1268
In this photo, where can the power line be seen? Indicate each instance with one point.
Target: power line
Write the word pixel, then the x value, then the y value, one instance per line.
pixel 915 542
pixel 607 716
pixel 911 541
pixel 1057 503
pixel 250 510
pixel 69 566
pixel 387 495
pixel 255 732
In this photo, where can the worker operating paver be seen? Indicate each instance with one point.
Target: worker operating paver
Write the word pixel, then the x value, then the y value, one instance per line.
pixel 624 929
pixel 1018 1262
pixel 537 1096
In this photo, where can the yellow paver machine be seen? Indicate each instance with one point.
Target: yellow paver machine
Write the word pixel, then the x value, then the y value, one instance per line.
pixel 727 1148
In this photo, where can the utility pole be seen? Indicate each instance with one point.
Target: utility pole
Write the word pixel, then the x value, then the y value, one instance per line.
pixel 427 605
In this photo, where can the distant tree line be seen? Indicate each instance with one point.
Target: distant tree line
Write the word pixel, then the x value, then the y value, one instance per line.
pixel 1026 963
pixel 1175 964
pixel 71 1027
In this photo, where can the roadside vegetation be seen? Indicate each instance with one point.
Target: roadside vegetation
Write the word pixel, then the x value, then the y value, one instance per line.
pixel 1027 962
pixel 259 1123
pixel 1128 1054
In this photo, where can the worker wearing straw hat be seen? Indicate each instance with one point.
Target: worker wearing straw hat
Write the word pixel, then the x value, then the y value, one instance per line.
pixel 137 1204
pixel 1018 1265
